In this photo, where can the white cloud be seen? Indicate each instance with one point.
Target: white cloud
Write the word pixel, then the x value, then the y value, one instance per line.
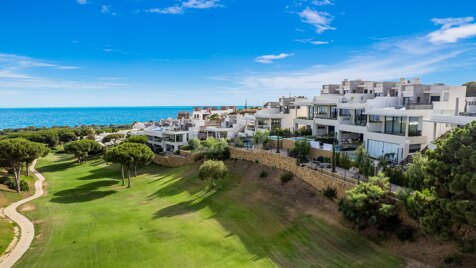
pixel 267 59
pixel 168 10
pixel 113 50
pixel 15 69
pixel 312 42
pixel 82 2
pixel 319 19
pixel 452 30
pixel 322 2
pixel 106 9
pixel 200 4
pixel 386 60
pixel 189 4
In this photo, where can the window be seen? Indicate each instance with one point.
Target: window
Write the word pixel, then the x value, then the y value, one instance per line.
pixel 333 112
pixel 360 117
pixel 413 126
pixel 374 118
pixel 414 148
pixel 376 149
pixel 395 125
pixel 446 96
pixel 344 112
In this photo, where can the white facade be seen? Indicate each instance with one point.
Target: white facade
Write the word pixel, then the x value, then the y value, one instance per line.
pixel 390 118
pixel 282 114
pixel 169 135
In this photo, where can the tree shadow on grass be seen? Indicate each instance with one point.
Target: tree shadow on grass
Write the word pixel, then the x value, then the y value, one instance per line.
pixel 55 167
pixel 84 193
pixel 173 183
pixel 290 238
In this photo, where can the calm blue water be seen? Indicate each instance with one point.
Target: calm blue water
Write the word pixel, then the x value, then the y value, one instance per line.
pixel 47 117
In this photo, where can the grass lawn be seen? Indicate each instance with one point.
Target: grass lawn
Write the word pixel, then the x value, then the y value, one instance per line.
pixel 8 196
pixel 168 219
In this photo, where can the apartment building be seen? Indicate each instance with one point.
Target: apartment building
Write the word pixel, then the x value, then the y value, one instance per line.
pixel 169 135
pixel 388 118
pixel 281 114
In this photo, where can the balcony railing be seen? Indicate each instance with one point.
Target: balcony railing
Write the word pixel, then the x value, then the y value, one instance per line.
pixel 304 118
pixel 326 116
pixel 417 106
pixel 414 133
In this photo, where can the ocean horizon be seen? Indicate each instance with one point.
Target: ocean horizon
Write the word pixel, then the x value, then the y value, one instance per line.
pixel 75 116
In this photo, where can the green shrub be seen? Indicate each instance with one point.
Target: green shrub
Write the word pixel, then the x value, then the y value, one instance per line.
pixel 288 176
pixel 453 259
pixel 371 204
pixel 11 184
pixel 263 174
pixel 405 233
pixel 330 192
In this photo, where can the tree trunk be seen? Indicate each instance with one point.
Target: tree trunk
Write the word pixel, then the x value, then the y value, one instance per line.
pixel 27 168
pixel 122 170
pixel 129 177
pixel 135 170
pixel 16 172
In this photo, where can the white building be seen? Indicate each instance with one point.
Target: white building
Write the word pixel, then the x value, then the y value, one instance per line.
pixel 282 114
pixel 169 135
pixel 388 118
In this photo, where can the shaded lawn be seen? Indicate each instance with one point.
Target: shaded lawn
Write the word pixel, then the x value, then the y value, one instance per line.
pixel 169 219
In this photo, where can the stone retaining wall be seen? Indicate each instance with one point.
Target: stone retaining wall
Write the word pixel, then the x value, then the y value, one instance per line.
pixel 317 179
pixel 289 145
pixel 173 160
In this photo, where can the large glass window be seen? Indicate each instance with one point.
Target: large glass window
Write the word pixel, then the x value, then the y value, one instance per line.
pixel 360 118
pixel 395 125
pixel 413 126
pixel 333 114
pixel 376 149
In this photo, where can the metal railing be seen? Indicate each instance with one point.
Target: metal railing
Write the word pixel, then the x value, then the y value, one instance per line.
pixel 418 106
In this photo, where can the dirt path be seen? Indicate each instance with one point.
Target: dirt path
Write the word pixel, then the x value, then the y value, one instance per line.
pixel 26 226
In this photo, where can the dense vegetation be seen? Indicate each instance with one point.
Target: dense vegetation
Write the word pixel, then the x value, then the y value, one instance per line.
pixel 445 203
pixel 16 152
pixel 82 149
pixel 371 204
pixel 471 89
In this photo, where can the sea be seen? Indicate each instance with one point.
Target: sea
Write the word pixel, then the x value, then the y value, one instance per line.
pixel 46 117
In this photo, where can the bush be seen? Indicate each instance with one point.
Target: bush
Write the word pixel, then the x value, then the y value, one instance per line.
pixel 263 174
pixel 213 170
pixel 137 139
pixel 397 176
pixel 330 193
pixel 453 259
pixel 371 204
pixel 12 184
pixel 405 233
pixel 288 176
pixel 215 149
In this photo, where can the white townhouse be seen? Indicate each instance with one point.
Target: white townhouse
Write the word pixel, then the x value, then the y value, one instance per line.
pixel 169 135
pixel 282 114
pixel 388 118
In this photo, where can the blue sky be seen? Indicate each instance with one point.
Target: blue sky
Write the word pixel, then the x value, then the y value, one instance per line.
pixel 220 52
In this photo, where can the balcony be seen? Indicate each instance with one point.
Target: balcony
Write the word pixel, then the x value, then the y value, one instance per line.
pixel 326 116
pixel 418 106
pixel 414 133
